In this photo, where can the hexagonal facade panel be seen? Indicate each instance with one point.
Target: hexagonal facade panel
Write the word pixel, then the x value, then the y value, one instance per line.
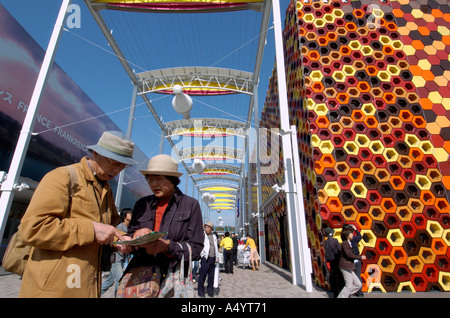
pixel 368 89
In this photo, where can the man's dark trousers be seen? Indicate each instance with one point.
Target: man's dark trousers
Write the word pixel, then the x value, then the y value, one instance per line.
pixel 228 260
pixel 207 267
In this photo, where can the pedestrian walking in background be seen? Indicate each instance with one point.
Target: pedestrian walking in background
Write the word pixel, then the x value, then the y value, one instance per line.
pixel 235 239
pixel 227 245
pixel 217 276
pixel 254 256
pixel 355 240
pixel 208 259
pixel 332 257
pixel 119 260
pixel 67 233
pixel 347 266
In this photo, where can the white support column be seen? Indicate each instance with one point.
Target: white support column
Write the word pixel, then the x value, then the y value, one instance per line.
pixel 7 189
pixel 244 205
pixel 286 147
pixel 305 253
pixel 261 229
pixel 128 134
pixel 249 184
pixel 161 143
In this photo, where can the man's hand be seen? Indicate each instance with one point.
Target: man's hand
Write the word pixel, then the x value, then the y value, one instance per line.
pixel 124 249
pixel 104 233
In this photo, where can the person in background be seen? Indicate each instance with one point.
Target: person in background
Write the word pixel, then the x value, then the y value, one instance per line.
pixel 208 260
pixel 119 260
pixel 66 234
pixel 332 257
pixel 195 266
pixel 254 256
pixel 235 239
pixel 227 245
pixel 347 266
pixel 217 277
pixel 355 240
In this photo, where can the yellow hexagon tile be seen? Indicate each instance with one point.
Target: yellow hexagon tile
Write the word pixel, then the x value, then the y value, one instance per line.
pixel 443 121
pixel 419 81
pixel 441 154
pixel 433 128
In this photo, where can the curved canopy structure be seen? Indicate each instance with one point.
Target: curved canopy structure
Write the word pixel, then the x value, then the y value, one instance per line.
pixel 217 169
pixel 217 179
pixel 180 5
pixel 205 127
pixel 196 80
pixel 213 153
pixel 221 189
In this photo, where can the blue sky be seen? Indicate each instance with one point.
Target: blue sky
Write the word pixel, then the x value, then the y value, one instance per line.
pixel 149 42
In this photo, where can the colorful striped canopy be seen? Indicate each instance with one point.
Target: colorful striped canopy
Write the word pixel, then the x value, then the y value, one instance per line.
pixel 181 5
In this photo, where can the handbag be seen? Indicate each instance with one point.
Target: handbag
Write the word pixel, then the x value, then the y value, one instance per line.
pixel 16 255
pixel 140 282
pixel 176 285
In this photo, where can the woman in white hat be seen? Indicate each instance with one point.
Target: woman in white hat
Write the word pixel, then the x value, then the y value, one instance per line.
pixel 166 210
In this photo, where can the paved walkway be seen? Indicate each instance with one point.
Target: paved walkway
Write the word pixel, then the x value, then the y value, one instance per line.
pixel 269 282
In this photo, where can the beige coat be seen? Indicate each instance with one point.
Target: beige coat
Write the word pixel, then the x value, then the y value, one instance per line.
pixel 65 260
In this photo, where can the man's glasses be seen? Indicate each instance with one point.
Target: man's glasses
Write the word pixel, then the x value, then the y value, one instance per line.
pixel 117 164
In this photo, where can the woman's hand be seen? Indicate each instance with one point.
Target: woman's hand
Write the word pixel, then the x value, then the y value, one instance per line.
pixel 158 246
pixel 141 232
pixel 152 248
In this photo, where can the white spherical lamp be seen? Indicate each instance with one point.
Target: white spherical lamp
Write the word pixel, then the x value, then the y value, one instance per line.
pixel 181 102
pixel 198 166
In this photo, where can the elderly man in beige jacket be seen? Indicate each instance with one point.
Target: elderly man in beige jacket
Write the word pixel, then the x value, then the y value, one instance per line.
pixel 67 235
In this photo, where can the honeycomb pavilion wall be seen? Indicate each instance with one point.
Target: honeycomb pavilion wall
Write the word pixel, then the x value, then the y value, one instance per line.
pixel 368 90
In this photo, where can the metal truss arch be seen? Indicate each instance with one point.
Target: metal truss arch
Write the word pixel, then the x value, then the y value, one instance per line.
pixel 211 153
pixel 192 6
pixel 221 188
pixel 200 127
pixel 217 169
pixel 217 179
pixel 196 80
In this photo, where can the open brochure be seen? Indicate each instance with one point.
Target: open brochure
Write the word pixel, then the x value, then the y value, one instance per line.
pixel 142 240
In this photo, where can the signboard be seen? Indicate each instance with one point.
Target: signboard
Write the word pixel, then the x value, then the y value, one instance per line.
pixel 68 120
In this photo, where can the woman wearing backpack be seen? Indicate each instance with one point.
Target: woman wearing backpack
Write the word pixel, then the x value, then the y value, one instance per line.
pixel 332 256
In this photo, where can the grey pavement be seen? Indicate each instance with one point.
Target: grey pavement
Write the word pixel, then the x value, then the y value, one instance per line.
pixel 269 282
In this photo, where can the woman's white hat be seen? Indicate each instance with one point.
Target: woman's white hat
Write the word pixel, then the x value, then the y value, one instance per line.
pixel 163 165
